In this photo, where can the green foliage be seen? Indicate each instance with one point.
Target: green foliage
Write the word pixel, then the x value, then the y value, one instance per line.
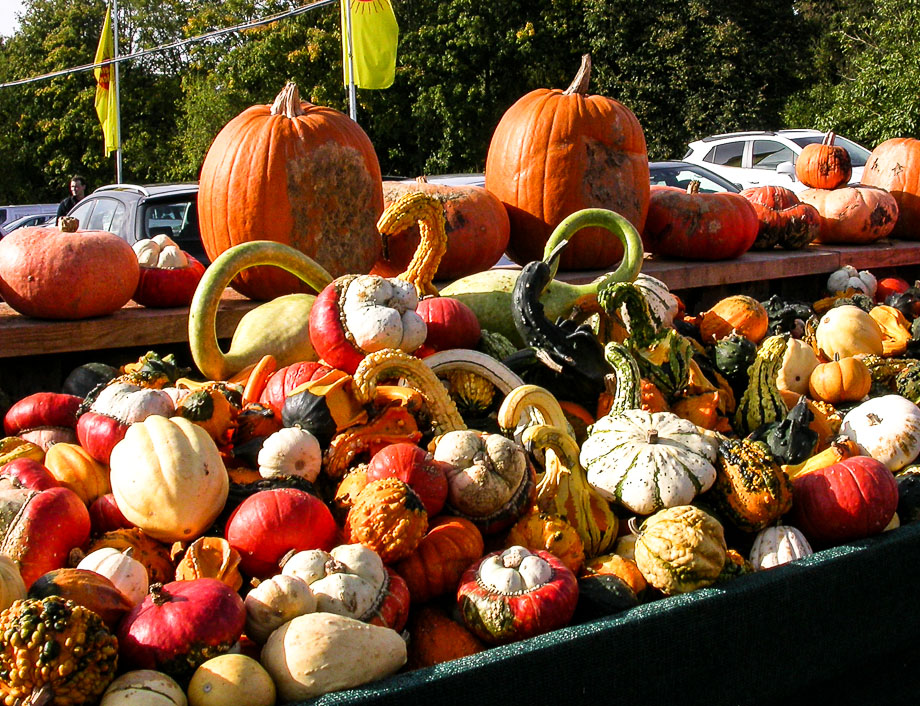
pixel 686 68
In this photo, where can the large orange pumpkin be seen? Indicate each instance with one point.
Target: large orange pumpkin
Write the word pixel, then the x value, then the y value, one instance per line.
pixel 53 273
pixel 555 152
pixel 894 165
pixel 852 214
pixel 690 224
pixel 299 174
pixel 475 220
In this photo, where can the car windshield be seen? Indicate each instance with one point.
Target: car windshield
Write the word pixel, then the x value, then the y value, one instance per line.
pixel 681 176
pixel 177 218
pixel 858 153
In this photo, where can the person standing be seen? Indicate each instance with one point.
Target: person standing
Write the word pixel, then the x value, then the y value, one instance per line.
pixel 77 192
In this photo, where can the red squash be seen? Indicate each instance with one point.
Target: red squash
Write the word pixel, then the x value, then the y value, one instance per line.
pixel 105 516
pixel 50 273
pixel 40 528
pixel 180 625
pixel 415 467
pixel 849 500
pixel 285 379
pixel 697 226
pixel 43 418
pixel 507 610
pixel 450 322
pixel 27 473
pixel 163 287
pixel 890 285
pixel 784 219
pixel 270 523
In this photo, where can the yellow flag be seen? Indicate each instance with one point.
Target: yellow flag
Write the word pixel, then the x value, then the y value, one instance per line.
pixel 106 107
pixel 374 34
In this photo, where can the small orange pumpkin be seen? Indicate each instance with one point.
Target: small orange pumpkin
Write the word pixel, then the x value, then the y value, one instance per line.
pixel 621 567
pixel 451 545
pixel 389 517
pixel 840 380
pixel 739 313
pixel 824 165
pixel 434 637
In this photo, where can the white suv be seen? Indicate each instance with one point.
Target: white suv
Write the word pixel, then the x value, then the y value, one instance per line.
pixel 765 158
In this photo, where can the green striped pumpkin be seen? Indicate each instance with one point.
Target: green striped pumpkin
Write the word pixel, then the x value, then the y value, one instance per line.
pixel 762 402
pixel 648 461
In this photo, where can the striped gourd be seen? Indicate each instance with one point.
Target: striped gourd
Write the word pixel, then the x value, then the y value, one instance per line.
pixel 884 370
pixel 648 461
pixel 662 305
pixel 762 402
pixel 626 392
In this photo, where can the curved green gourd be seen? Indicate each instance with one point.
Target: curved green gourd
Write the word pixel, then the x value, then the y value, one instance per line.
pixel 488 293
pixel 279 327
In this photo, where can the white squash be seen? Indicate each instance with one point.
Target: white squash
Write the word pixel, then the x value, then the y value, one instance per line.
pixel 799 360
pixel 317 653
pixel 291 451
pixel 847 277
pixel 381 313
pixel 144 687
pixel 275 601
pixel 148 252
pixel 172 257
pixel 777 545
pixel 649 461
pixel 127 574
pixel 887 428
pixel 12 587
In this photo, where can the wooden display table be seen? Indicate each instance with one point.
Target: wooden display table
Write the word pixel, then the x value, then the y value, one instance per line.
pixel 135 326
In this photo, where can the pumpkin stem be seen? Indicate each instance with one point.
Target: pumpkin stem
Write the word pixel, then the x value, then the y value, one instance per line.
pixel 579 84
pixel 828 138
pixel 652 436
pixel 288 103
pixel 633 526
pixel 421 180
pixel 873 418
pixel 158 594
pixel 69 224
pixel 693 187
pixel 44 695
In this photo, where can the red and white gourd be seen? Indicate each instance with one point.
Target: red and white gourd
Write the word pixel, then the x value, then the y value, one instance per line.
pixel 168 274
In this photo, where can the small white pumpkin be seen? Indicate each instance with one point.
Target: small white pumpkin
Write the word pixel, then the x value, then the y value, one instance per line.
pixel 887 428
pixel 275 601
pixel 172 257
pixel 381 313
pixel 148 252
pixel 12 587
pixel 291 451
pixel 316 653
pixel 648 461
pixel 847 277
pixel 799 361
pixel 163 240
pixel 350 580
pixel 777 545
pixel 127 574
pixel 144 687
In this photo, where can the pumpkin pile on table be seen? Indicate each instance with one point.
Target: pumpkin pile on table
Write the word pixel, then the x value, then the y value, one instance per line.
pixel 427 479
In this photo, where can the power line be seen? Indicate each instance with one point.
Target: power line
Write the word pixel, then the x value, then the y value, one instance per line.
pixel 174 45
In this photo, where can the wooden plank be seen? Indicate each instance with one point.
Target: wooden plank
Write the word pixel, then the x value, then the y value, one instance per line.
pixel 132 325
pixel 883 253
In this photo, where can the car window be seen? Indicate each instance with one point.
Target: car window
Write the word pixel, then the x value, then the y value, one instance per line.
pixel 727 155
pixel 108 215
pixel 681 178
pixel 767 154
pixel 82 212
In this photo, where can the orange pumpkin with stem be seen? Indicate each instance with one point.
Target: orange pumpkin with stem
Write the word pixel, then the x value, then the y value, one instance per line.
pixel 824 165
pixel 298 174
pixel 556 152
pixel 845 379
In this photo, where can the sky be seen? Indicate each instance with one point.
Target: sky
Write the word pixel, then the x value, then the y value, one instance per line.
pixel 8 10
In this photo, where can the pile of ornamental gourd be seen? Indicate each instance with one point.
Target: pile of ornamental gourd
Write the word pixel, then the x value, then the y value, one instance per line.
pixel 299 529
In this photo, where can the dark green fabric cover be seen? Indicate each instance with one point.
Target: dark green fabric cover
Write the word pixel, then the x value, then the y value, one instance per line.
pixel 839 627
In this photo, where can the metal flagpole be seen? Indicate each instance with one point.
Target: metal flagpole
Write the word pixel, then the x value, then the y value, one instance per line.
pixel 352 98
pixel 117 95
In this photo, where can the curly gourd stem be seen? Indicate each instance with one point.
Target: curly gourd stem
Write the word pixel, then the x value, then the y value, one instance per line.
pixel 631 263
pixel 428 211
pixel 562 459
pixel 390 362
pixel 539 398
